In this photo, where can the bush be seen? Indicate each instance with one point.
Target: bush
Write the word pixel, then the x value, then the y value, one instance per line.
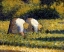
pixel 46 13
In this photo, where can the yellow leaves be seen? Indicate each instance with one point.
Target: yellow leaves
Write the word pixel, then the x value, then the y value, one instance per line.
pixel 45 6
pixel 59 8
pixel 36 1
pixel 12 3
pixel 8 5
pixel 23 9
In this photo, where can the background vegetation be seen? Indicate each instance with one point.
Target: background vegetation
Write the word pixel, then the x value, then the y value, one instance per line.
pixel 19 8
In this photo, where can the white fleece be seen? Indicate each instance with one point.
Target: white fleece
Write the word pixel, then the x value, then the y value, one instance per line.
pixel 34 23
pixel 19 23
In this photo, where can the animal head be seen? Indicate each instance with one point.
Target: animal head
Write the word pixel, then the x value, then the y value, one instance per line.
pixel 39 26
pixel 26 25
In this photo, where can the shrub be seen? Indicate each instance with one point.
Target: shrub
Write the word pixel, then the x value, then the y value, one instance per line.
pixel 46 13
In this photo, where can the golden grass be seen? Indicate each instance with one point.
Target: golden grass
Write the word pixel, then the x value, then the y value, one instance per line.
pixel 54 24
pixel 35 1
pixel 47 24
pixel 26 49
pixel 4 25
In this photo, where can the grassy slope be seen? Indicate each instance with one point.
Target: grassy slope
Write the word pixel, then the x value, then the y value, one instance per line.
pixel 42 39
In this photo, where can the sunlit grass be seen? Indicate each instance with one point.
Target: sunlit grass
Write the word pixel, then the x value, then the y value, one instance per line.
pixel 25 49
pixel 39 39
pixel 53 24
pixel 4 25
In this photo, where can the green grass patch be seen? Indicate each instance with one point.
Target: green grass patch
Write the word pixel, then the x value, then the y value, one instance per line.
pixel 18 40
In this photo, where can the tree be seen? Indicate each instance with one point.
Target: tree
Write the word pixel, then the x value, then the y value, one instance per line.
pixel 26 1
pixel 1 7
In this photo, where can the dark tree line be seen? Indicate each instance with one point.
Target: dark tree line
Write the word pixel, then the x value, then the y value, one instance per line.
pixel 1 7
pixel 10 14
pixel 45 13
pixel 26 1
pixel 49 2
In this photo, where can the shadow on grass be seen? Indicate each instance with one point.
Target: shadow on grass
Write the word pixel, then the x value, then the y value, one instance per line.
pixel 2 31
pixel 51 39
pixel 30 45
pixel 55 31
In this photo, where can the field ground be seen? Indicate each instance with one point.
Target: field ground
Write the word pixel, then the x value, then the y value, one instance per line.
pixel 53 38
pixel 26 49
pixel 49 39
